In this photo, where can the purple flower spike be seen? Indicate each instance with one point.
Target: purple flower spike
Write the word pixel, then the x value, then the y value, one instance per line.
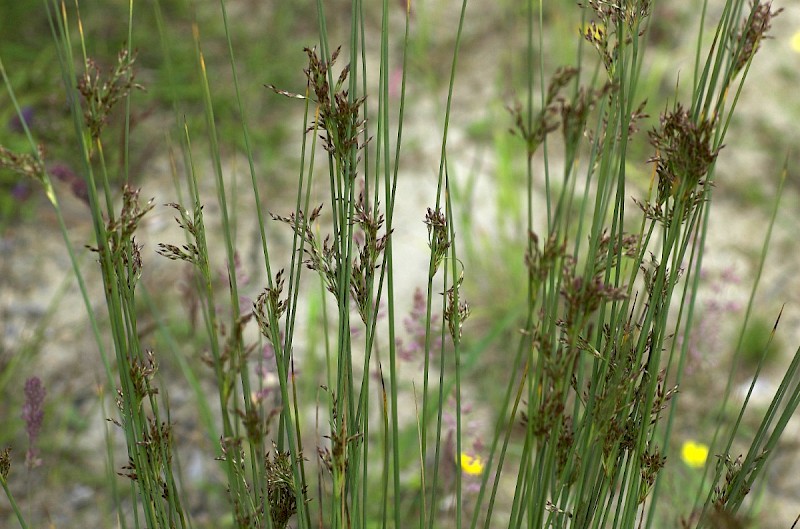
pixel 33 415
pixel 21 191
pixel 63 172
pixel 15 123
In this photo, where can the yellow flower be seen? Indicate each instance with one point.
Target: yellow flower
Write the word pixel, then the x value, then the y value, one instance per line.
pixel 795 42
pixel 471 465
pixel 593 32
pixel 694 454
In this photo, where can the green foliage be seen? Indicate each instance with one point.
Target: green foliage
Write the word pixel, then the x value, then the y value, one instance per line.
pixel 584 402
pixel 758 344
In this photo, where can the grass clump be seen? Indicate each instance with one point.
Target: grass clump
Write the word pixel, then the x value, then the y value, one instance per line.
pixel 584 418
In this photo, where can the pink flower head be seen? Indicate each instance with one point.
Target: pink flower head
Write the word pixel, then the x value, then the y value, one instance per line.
pixel 33 415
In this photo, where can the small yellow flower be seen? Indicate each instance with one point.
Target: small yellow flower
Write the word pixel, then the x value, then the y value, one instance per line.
pixel 795 42
pixel 593 32
pixel 471 465
pixel 694 454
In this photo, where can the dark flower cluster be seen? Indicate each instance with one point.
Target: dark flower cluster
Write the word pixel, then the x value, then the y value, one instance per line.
pixel 338 116
pixel 191 225
pixel 101 94
pixel 26 165
pixel 753 30
pixel 438 237
pixel 281 490
pixel 534 132
pixel 685 152
pixel 627 14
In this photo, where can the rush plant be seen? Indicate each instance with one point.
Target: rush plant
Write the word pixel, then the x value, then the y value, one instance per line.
pixel 581 435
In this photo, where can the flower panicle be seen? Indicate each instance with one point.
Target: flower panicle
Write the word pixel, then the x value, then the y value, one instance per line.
pixel 33 415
